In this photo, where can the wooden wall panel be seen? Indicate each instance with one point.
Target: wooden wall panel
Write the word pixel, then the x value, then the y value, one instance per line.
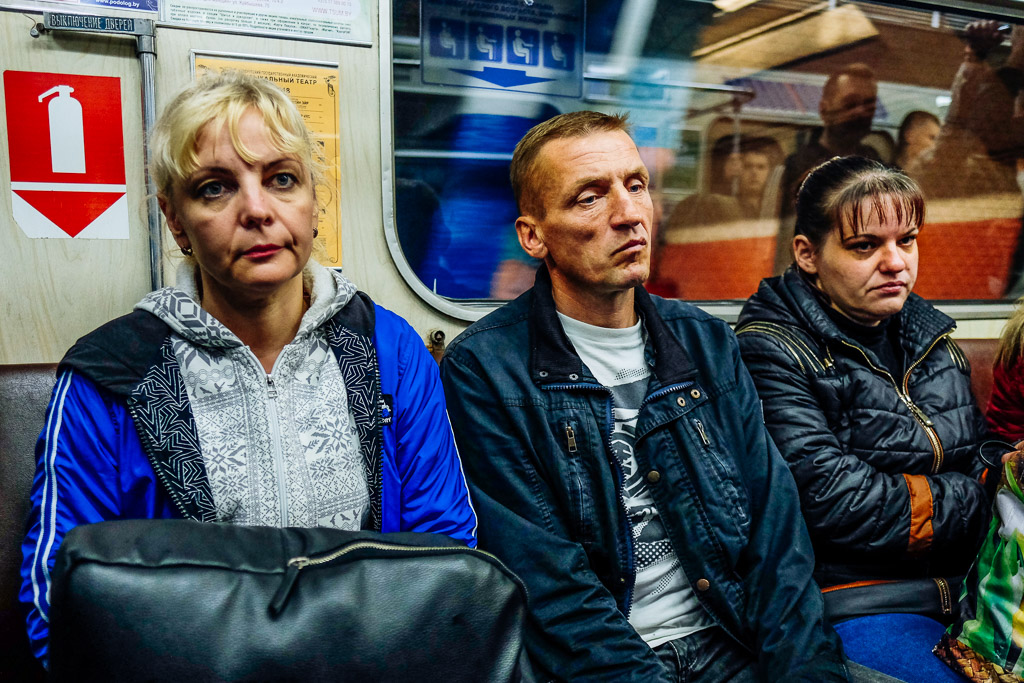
pixel 52 291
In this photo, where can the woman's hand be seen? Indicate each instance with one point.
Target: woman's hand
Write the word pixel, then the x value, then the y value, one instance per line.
pixel 1017 454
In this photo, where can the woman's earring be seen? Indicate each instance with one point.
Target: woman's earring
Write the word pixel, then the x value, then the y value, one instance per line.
pixel 316 231
pixel 187 251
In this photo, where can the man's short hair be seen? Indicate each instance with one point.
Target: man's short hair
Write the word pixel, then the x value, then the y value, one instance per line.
pixel 764 145
pixel 855 70
pixel 575 124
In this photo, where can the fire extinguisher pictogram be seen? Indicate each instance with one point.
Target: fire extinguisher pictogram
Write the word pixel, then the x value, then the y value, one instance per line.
pixel 67 134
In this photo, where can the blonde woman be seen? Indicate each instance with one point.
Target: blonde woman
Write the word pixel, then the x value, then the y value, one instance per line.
pixel 262 389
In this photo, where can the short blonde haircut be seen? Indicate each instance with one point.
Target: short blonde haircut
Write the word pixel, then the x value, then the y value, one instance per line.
pixel 575 124
pixel 226 98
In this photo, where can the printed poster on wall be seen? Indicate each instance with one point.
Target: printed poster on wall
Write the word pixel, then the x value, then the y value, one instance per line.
pixel 335 21
pixel 136 5
pixel 66 155
pixel 534 46
pixel 313 87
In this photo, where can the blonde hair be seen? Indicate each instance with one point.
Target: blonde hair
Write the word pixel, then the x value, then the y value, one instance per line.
pixel 226 98
pixel 1011 341
pixel 574 124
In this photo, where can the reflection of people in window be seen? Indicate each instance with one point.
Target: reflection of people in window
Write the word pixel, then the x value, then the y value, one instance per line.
pixel 521 48
pixel 759 177
pixel 978 146
pixel 484 43
pixel 557 53
pixel 447 39
pixel 916 136
pixel 847 107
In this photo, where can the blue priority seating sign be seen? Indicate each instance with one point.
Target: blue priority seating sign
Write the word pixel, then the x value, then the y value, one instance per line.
pixel 514 45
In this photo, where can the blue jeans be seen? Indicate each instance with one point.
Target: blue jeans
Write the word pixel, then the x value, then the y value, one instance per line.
pixel 710 656
pixel 899 645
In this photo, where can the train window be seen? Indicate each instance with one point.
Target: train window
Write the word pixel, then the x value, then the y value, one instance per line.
pixel 730 103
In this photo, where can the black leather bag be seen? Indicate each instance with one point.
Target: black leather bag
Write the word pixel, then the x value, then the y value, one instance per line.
pixel 173 600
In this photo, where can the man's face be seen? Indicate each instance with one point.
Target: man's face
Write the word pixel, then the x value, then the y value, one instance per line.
pixel 848 112
pixel 595 233
pixel 756 169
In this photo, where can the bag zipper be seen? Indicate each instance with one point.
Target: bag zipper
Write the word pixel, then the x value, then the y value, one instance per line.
pixel 300 562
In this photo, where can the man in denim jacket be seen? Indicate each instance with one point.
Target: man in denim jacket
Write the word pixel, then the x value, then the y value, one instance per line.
pixel 616 452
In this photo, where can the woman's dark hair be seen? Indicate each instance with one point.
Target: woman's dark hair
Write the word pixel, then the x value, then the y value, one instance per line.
pixel 832 197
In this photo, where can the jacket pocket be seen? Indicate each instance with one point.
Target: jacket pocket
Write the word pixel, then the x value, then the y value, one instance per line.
pixel 576 446
pixel 724 476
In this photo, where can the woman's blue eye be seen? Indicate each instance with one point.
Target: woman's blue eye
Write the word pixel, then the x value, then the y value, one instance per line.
pixel 284 180
pixel 211 190
pixel 589 199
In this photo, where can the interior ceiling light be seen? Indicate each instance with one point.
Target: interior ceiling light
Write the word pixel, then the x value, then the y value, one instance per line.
pixel 732 5
pixel 812 31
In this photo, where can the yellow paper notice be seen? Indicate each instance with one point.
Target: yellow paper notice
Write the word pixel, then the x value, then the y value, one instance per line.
pixel 314 90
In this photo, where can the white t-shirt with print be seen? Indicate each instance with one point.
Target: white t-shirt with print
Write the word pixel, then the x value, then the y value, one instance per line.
pixel 664 606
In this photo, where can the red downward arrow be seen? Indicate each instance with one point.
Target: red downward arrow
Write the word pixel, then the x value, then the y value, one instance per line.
pixel 72 212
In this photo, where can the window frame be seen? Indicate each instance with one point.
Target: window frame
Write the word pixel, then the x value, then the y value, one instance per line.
pixel 470 310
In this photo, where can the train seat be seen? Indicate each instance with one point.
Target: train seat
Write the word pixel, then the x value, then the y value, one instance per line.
pixel 24 393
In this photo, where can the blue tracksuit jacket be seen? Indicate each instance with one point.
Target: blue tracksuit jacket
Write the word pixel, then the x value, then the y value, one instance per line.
pixel 120 442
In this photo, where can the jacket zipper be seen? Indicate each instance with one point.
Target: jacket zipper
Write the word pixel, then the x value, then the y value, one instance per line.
pixel 721 465
pixel 275 444
pixel 796 346
pixel 945 595
pixel 703 435
pixel 666 390
pixel 926 423
pixel 379 493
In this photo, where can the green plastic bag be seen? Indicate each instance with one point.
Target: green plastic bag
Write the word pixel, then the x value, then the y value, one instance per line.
pixel 986 640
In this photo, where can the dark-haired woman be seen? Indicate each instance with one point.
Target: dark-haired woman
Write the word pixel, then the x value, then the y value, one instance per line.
pixel 869 400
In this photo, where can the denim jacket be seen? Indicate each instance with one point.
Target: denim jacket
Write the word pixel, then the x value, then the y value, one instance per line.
pixel 533 427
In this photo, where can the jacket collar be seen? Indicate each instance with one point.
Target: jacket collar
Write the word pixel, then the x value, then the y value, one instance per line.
pixel 553 359
pixel 790 299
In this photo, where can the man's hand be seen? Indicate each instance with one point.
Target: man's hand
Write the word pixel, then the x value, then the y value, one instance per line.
pixel 982 37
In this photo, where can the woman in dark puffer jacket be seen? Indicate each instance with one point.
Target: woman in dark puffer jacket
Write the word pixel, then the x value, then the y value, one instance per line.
pixel 869 400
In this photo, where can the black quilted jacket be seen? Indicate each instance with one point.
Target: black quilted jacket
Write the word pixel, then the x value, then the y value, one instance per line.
pixel 887 467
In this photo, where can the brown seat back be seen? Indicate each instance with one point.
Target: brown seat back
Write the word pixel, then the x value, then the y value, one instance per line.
pixel 24 393
pixel 980 353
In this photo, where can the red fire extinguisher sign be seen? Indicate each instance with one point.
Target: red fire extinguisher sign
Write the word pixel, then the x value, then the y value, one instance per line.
pixel 66 144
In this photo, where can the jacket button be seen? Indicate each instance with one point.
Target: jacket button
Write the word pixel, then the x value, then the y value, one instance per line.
pixel 654 476
pixel 695 393
pixel 681 402
pixel 703 585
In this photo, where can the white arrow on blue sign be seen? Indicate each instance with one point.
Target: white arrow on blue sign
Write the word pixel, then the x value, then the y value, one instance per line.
pixel 504 44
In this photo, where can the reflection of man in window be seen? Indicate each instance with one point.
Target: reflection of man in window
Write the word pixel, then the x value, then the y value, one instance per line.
pixel 758 180
pixel 847 107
